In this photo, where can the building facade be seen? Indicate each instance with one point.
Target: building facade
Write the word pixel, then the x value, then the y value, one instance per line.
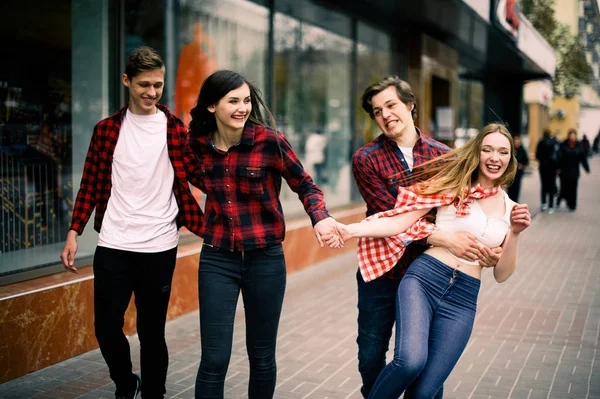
pixel 466 60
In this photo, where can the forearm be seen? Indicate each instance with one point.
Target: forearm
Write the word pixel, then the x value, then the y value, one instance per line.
pixel 508 261
pixel 387 226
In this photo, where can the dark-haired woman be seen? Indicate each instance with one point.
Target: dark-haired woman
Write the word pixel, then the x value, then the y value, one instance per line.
pixel 244 161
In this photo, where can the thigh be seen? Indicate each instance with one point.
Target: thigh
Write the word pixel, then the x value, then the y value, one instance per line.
pixel 376 309
pixel 414 312
pixel 152 287
pixel 263 289
pixel 113 285
pixel 219 277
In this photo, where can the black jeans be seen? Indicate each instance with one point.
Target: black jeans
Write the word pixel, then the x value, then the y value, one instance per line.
pixel 260 274
pixel 118 274
pixel 548 185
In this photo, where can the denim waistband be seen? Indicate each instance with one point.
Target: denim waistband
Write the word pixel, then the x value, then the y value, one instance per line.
pixel 437 268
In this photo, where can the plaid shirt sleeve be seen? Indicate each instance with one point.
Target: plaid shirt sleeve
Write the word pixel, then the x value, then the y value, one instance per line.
pixel 86 197
pixel 191 163
pixel 301 183
pixel 371 187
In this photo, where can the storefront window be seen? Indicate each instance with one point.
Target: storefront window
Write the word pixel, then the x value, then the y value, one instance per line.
pixel 53 82
pixel 312 97
pixel 374 63
pixel 470 111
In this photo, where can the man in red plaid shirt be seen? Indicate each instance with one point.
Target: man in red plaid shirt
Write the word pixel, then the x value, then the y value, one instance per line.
pixel 136 178
pixel 379 168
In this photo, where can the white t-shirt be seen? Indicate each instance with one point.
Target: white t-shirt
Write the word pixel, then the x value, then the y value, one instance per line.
pixel 408 156
pixel 142 209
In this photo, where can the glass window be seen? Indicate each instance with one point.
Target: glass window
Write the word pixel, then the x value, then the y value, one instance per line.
pixel 374 63
pixel 470 110
pixel 312 97
pixel 218 34
pixel 46 121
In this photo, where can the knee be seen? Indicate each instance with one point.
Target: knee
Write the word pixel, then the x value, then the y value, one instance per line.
pixel 371 351
pixel 410 364
pixel 263 363
pixel 214 363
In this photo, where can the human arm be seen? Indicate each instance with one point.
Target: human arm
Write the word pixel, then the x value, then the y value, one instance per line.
pixel 301 182
pixel 382 227
pixel 520 219
pixel 191 162
pixel 85 201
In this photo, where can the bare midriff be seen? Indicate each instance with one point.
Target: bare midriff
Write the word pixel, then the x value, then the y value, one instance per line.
pixel 443 255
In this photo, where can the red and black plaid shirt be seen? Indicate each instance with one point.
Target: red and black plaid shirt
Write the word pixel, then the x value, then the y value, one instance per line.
pixel 95 187
pixel 379 168
pixel 243 210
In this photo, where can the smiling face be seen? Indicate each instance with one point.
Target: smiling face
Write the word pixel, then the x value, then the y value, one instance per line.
pixel 233 109
pixel 494 158
pixel 145 89
pixel 391 114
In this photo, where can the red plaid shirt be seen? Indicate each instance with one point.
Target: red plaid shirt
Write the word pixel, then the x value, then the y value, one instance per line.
pixel 379 169
pixel 95 187
pixel 242 185
pixel 376 256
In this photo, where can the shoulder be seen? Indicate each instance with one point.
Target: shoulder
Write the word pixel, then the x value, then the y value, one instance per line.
pixel 110 122
pixel 434 144
pixel 368 150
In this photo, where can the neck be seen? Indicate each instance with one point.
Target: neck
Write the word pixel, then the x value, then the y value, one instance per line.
pixel 136 111
pixel 408 137
pixel 224 140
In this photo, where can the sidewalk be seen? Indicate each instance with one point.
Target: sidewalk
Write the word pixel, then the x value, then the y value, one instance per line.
pixel 536 336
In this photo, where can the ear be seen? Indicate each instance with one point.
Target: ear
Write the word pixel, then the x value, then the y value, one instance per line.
pixel 125 80
pixel 411 107
pixel 211 109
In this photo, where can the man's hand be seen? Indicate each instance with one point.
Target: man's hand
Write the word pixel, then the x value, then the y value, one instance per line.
pixel 489 257
pixel 68 254
pixel 460 244
pixel 520 218
pixel 326 231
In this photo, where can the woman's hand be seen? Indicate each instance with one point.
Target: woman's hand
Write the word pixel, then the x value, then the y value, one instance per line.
pixel 520 218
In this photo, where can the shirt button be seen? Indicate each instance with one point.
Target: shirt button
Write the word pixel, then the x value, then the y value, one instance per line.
pixel 251 173
pixel 226 170
pixel 228 186
pixel 229 202
pixel 230 218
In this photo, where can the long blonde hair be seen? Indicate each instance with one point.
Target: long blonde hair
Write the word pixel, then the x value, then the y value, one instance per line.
pixel 456 172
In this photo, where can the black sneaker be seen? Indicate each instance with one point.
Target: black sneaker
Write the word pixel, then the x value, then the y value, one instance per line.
pixel 138 386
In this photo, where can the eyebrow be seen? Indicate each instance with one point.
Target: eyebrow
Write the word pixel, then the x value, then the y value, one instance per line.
pixel 390 100
pixel 491 146
pixel 236 98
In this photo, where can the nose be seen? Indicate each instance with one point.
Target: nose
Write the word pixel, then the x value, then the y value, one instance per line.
pixel 152 91
pixel 385 113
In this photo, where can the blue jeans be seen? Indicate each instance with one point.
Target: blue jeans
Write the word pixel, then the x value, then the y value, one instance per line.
pixel 376 318
pixel 434 319
pixel 260 274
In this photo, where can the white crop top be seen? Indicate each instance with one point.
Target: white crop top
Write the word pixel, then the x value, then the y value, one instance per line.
pixel 488 231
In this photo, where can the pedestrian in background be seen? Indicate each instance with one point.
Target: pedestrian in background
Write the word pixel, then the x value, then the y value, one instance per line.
pixel 596 144
pixel 571 156
pixel 136 178
pixel 522 161
pixel 546 154
pixel 380 168
pixel 437 297
pixel 586 145
pixel 243 163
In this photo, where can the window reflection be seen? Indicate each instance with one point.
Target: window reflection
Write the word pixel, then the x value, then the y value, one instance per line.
pixel 35 129
pixel 312 104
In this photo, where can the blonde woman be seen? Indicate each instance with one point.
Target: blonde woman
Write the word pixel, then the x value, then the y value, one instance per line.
pixel 437 298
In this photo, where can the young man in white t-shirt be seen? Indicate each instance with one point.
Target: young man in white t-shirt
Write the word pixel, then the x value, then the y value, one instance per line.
pixel 136 177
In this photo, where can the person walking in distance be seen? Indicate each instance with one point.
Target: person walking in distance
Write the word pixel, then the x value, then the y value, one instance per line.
pixel 546 154
pixel 136 178
pixel 380 168
pixel 571 156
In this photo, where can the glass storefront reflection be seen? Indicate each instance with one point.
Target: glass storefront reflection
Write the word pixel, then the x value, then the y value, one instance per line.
pixel 312 104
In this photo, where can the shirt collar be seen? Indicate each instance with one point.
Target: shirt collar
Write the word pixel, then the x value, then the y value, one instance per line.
pixel 393 143
pixel 247 136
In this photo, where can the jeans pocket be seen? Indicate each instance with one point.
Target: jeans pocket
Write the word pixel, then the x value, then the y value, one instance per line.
pixel 273 250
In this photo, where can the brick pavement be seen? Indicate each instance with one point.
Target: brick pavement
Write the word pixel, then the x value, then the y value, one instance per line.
pixel 536 336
